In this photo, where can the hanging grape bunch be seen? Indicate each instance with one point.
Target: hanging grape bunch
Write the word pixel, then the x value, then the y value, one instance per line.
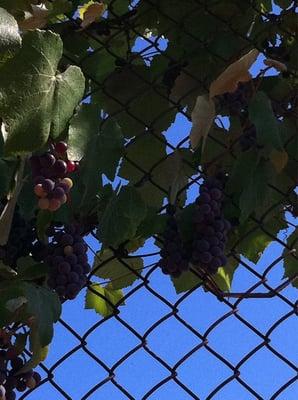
pixel 237 102
pixel 21 237
pixel 210 227
pixel 68 261
pixel 174 258
pixel 50 174
pixel 11 362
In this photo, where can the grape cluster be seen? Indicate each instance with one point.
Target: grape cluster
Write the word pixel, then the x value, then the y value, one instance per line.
pixel 67 258
pixel 248 139
pixel 11 361
pixel 210 227
pixel 49 172
pixel 237 102
pixel 174 258
pixel 21 236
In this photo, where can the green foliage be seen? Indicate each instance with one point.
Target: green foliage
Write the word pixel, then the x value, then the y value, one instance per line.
pixel 119 134
pixel 35 105
pixel 291 259
pixel 119 271
pixel 10 39
pixel 103 300
pixel 121 217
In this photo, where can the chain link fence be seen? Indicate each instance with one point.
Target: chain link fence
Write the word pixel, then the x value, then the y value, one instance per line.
pixel 242 344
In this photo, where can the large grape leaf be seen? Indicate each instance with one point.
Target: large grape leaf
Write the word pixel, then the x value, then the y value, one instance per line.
pixel 10 39
pixel 36 101
pixel 186 281
pixel 82 127
pixel 45 307
pixel 103 300
pixel 120 274
pixel 291 258
pixel 121 217
pixel 261 114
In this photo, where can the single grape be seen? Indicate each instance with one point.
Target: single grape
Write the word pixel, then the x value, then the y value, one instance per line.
pixel 61 280
pixel 61 147
pixel 60 168
pixel 48 185
pixel 73 277
pixel 54 205
pixel 58 193
pixel 71 166
pixel 39 191
pixel 68 182
pixel 47 160
pixel 43 204
pixel 64 268
pixel 31 383
pixel 79 248
pixel 68 250
pixel 66 240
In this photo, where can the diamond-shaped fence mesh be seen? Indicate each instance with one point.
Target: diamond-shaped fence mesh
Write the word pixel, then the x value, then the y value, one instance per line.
pixel 204 343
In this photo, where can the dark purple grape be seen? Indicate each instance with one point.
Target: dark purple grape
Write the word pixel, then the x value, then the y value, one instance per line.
pixel 36 377
pixel 61 280
pixel 60 168
pixel 72 259
pixel 66 240
pixel 21 386
pixel 48 185
pixel 205 208
pixel 10 395
pixel 78 269
pixel 202 245
pixel 58 193
pixel 16 363
pixel 82 258
pixel 64 268
pixel 61 290
pixel 47 160
pixel 216 251
pixel 73 277
pixel 72 290
pixel 79 248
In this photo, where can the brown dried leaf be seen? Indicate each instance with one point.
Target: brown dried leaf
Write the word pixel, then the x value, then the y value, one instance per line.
pixel 92 13
pixel 279 159
pixel 235 73
pixel 279 66
pixel 38 18
pixel 202 118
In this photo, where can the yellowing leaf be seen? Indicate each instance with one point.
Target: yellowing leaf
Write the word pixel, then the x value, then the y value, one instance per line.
pixel 91 12
pixel 235 73
pixel 279 66
pixel 36 19
pixel 279 159
pixel 202 118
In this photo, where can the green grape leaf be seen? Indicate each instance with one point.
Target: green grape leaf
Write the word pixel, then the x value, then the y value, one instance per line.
pixel 82 127
pixel 121 274
pixel 6 174
pixel 43 221
pixel 48 99
pixel 10 38
pixel 39 352
pixel 103 300
pixel 110 148
pixel 29 270
pixel 45 307
pixel 122 217
pixel 9 290
pixel 251 240
pixel 152 224
pixel 186 281
pixel 291 258
pixel 224 275
pixel 267 127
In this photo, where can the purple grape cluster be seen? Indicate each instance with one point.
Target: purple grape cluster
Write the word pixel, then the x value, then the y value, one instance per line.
pixel 248 139
pixel 210 227
pixel 21 237
pixel 49 172
pixel 174 258
pixel 11 361
pixel 68 261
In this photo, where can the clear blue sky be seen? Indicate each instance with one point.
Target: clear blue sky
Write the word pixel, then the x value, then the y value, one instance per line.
pixel 202 372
